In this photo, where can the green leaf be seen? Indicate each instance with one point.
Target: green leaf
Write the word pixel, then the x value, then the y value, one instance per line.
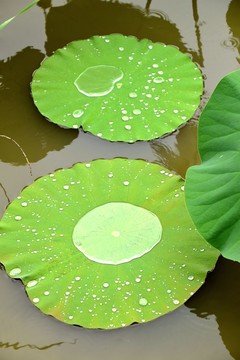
pixel 105 244
pixel 118 88
pixel 5 23
pixel 213 188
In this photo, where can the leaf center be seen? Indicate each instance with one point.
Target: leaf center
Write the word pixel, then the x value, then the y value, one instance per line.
pixel 98 80
pixel 116 233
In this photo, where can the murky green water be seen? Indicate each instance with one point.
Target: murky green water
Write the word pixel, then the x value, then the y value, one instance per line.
pixel 208 326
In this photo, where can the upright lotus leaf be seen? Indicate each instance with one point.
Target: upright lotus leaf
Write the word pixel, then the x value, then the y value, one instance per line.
pixel 118 88
pixel 105 244
pixel 213 188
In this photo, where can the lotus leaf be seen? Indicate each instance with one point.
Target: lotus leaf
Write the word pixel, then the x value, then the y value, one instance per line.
pixel 212 188
pixel 118 88
pixel 105 244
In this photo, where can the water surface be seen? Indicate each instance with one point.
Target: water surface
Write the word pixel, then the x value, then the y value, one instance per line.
pixel 208 326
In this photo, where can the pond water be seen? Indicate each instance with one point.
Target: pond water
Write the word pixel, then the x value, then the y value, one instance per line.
pixel 208 325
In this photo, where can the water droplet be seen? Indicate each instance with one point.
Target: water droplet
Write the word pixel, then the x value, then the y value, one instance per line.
pixel 190 277
pixel 114 309
pixel 46 293
pixel 128 127
pixel 99 134
pixel 175 111
pixel 24 204
pixel 121 49
pixel 66 187
pixel 18 218
pixel 138 280
pixel 15 272
pixel 77 278
pixel 75 126
pixel 132 95
pixel 110 175
pixel 158 80
pixel 106 285
pixel 155 66
pixel 176 302
pixel 36 300
pixel 70 317
pixel 126 183
pixel 125 118
pixel 137 112
pixel 98 80
pixel 78 113
pixel 143 302
pixel 182 188
pixel 32 283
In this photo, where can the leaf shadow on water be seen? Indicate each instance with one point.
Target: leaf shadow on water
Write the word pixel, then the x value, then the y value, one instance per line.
pixel 20 119
pixel 219 292
pixel 174 152
pixel 84 19
pixel 232 18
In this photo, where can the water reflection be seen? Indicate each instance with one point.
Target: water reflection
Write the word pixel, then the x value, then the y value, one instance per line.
pixel 232 17
pixel 215 297
pixel 17 346
pixel 21 323
pixel 27 135
pixel 107 17
pixel 179 150
pixel 199 57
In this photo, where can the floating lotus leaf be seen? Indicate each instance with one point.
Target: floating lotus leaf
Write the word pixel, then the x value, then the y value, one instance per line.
pixel 118 88
pixel 213 188
pixel 105 244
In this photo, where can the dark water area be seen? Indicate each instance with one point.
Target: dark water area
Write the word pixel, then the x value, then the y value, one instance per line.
pixel 208 325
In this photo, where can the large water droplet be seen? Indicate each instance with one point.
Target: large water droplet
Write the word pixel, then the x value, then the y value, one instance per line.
pixel 98 80
pixel 143 302
pixel 15 272
pixel 137 112
pixel 32 283
pixel 158 80
pixel 78 113
pixel 117 243
pixel 132 95
pixel 176 302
